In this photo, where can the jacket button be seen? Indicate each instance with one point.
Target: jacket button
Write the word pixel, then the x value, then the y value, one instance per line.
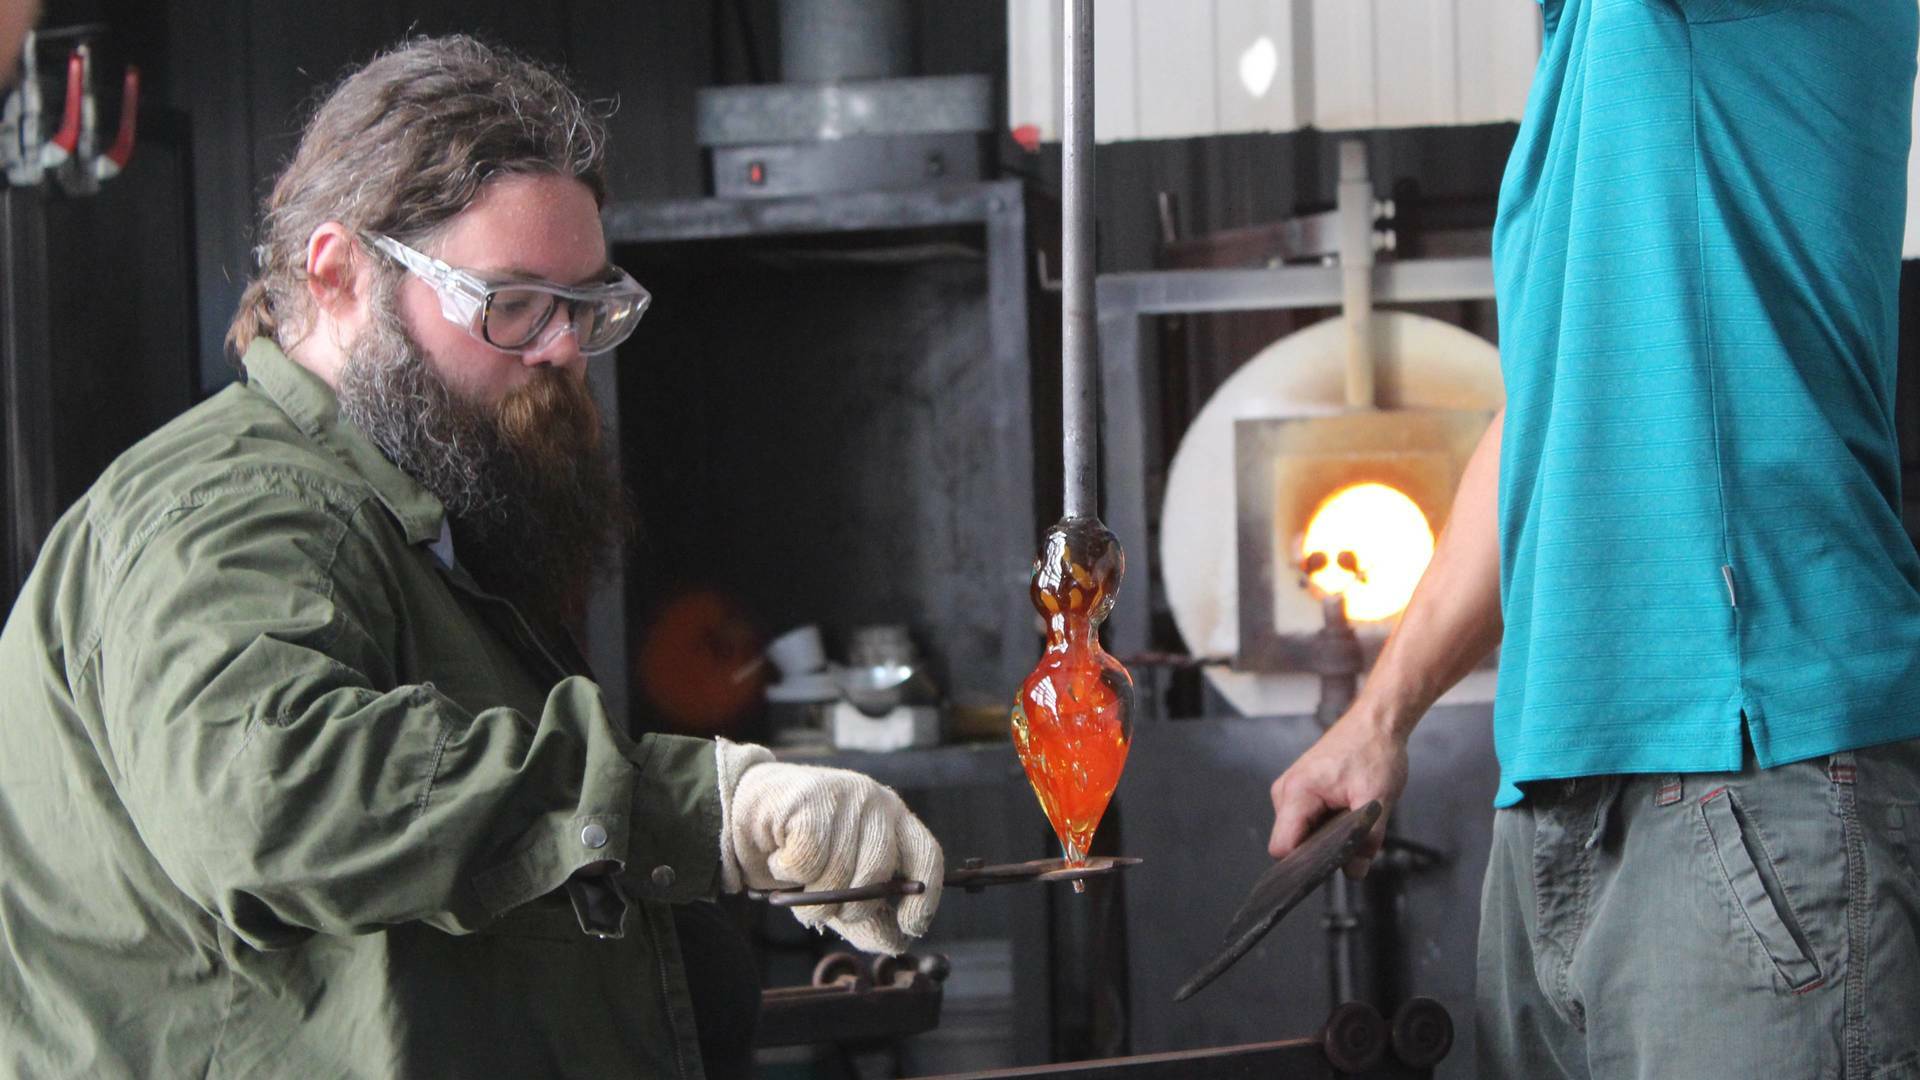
pixel 594 836
pixel 663 877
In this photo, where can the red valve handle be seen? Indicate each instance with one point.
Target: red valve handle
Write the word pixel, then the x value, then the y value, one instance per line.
pixel 68 137
pixel 122 149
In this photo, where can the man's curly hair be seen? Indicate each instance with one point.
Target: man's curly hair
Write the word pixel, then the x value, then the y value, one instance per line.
pixel 403 145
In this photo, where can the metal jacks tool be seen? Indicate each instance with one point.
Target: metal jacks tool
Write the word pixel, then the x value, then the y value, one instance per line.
pixel 971 876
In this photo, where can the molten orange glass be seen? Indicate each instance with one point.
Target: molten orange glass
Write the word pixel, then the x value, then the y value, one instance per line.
pixel 1073 719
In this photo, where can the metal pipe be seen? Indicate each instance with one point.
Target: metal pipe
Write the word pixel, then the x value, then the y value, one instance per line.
pixel 1342 926
pixel 1356 211
pixel 834 40
pixel 1337 659
pixel 1079 376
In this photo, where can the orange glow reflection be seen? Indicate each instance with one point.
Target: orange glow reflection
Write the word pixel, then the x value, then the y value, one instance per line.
pixel 1371 542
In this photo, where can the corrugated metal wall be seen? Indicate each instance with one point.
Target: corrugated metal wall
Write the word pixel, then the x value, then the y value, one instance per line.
pixel 1178 68
pixel 1187 68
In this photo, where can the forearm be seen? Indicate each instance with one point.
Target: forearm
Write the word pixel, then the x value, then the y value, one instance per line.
pixel 1453 619
pixel 360 811
pixel 291 778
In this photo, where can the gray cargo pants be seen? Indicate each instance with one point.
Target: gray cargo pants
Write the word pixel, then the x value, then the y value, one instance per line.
pixel 1764 923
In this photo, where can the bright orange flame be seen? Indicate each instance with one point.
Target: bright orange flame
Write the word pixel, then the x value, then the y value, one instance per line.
pixel 1375 543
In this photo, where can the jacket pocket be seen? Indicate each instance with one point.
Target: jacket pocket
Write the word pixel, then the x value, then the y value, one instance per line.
pixel 548 918
pixel 1753 884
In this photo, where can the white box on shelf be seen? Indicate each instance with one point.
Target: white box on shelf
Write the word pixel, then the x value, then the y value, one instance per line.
pixel 905 726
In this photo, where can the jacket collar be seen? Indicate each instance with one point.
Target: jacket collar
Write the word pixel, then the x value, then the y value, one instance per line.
pixel 310 403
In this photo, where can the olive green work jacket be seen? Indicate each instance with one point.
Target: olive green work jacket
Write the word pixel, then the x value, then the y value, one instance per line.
pixel 284 793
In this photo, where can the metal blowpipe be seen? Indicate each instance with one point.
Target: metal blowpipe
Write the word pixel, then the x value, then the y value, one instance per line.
pixel 1073 719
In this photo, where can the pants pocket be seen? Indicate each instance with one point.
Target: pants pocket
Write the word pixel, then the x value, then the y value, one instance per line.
pixel 1888 804
pixel 1895 828
pixel 1754 887
pixel 1887 811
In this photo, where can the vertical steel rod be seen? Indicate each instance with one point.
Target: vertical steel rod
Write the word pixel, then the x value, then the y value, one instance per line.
pixel 1356 209
pixel 1079 375
pixel 1342 925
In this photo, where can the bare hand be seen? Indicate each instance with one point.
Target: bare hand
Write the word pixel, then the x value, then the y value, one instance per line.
pixel 1354 763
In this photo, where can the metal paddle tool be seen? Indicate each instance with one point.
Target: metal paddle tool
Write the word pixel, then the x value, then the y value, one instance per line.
pixel 971 875
pixel 1283 886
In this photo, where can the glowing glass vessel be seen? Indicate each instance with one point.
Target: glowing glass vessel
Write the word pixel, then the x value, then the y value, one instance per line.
pixel 1073 718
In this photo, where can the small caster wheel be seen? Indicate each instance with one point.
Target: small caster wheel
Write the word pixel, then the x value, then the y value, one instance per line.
pixel 1355 1037
pixel 883 968
pixel 1422 1032
pixel 837 968
pixel 934 966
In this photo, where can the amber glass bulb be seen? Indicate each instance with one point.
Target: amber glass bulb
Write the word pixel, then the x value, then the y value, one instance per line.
pixel 1073 719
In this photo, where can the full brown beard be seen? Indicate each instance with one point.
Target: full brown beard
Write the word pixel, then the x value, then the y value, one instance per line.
pixel 528 484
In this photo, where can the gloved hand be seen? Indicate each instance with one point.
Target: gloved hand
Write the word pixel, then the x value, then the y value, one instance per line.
pixel 787 825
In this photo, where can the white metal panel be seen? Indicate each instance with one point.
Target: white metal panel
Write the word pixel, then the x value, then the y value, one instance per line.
pixel 1260 46
pixel 1498 45
pixel 1178 68
pixel 1033 66
pixel 1036 36
pixel 1337 64
pixel 1119 80
pixel 1414 63
pixel 1173 47
pixel 1343 57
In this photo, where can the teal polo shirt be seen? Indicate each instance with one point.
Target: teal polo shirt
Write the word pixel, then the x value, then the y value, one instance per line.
pixel 1697 262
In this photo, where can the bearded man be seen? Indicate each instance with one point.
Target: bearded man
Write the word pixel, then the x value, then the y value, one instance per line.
pixel 300 773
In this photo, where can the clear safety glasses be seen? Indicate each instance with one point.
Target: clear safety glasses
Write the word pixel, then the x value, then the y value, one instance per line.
pixel 518 316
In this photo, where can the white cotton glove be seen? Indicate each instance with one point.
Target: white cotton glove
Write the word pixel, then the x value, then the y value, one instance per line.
pixel 783 826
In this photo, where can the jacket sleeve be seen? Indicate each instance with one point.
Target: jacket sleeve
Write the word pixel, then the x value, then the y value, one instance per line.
pixel 289 784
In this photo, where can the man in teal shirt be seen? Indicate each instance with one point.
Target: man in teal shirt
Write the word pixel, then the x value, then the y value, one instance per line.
pixel 1684 533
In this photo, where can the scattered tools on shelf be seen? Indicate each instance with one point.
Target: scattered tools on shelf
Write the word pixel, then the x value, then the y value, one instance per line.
pixel 855 998
pixel 72 155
